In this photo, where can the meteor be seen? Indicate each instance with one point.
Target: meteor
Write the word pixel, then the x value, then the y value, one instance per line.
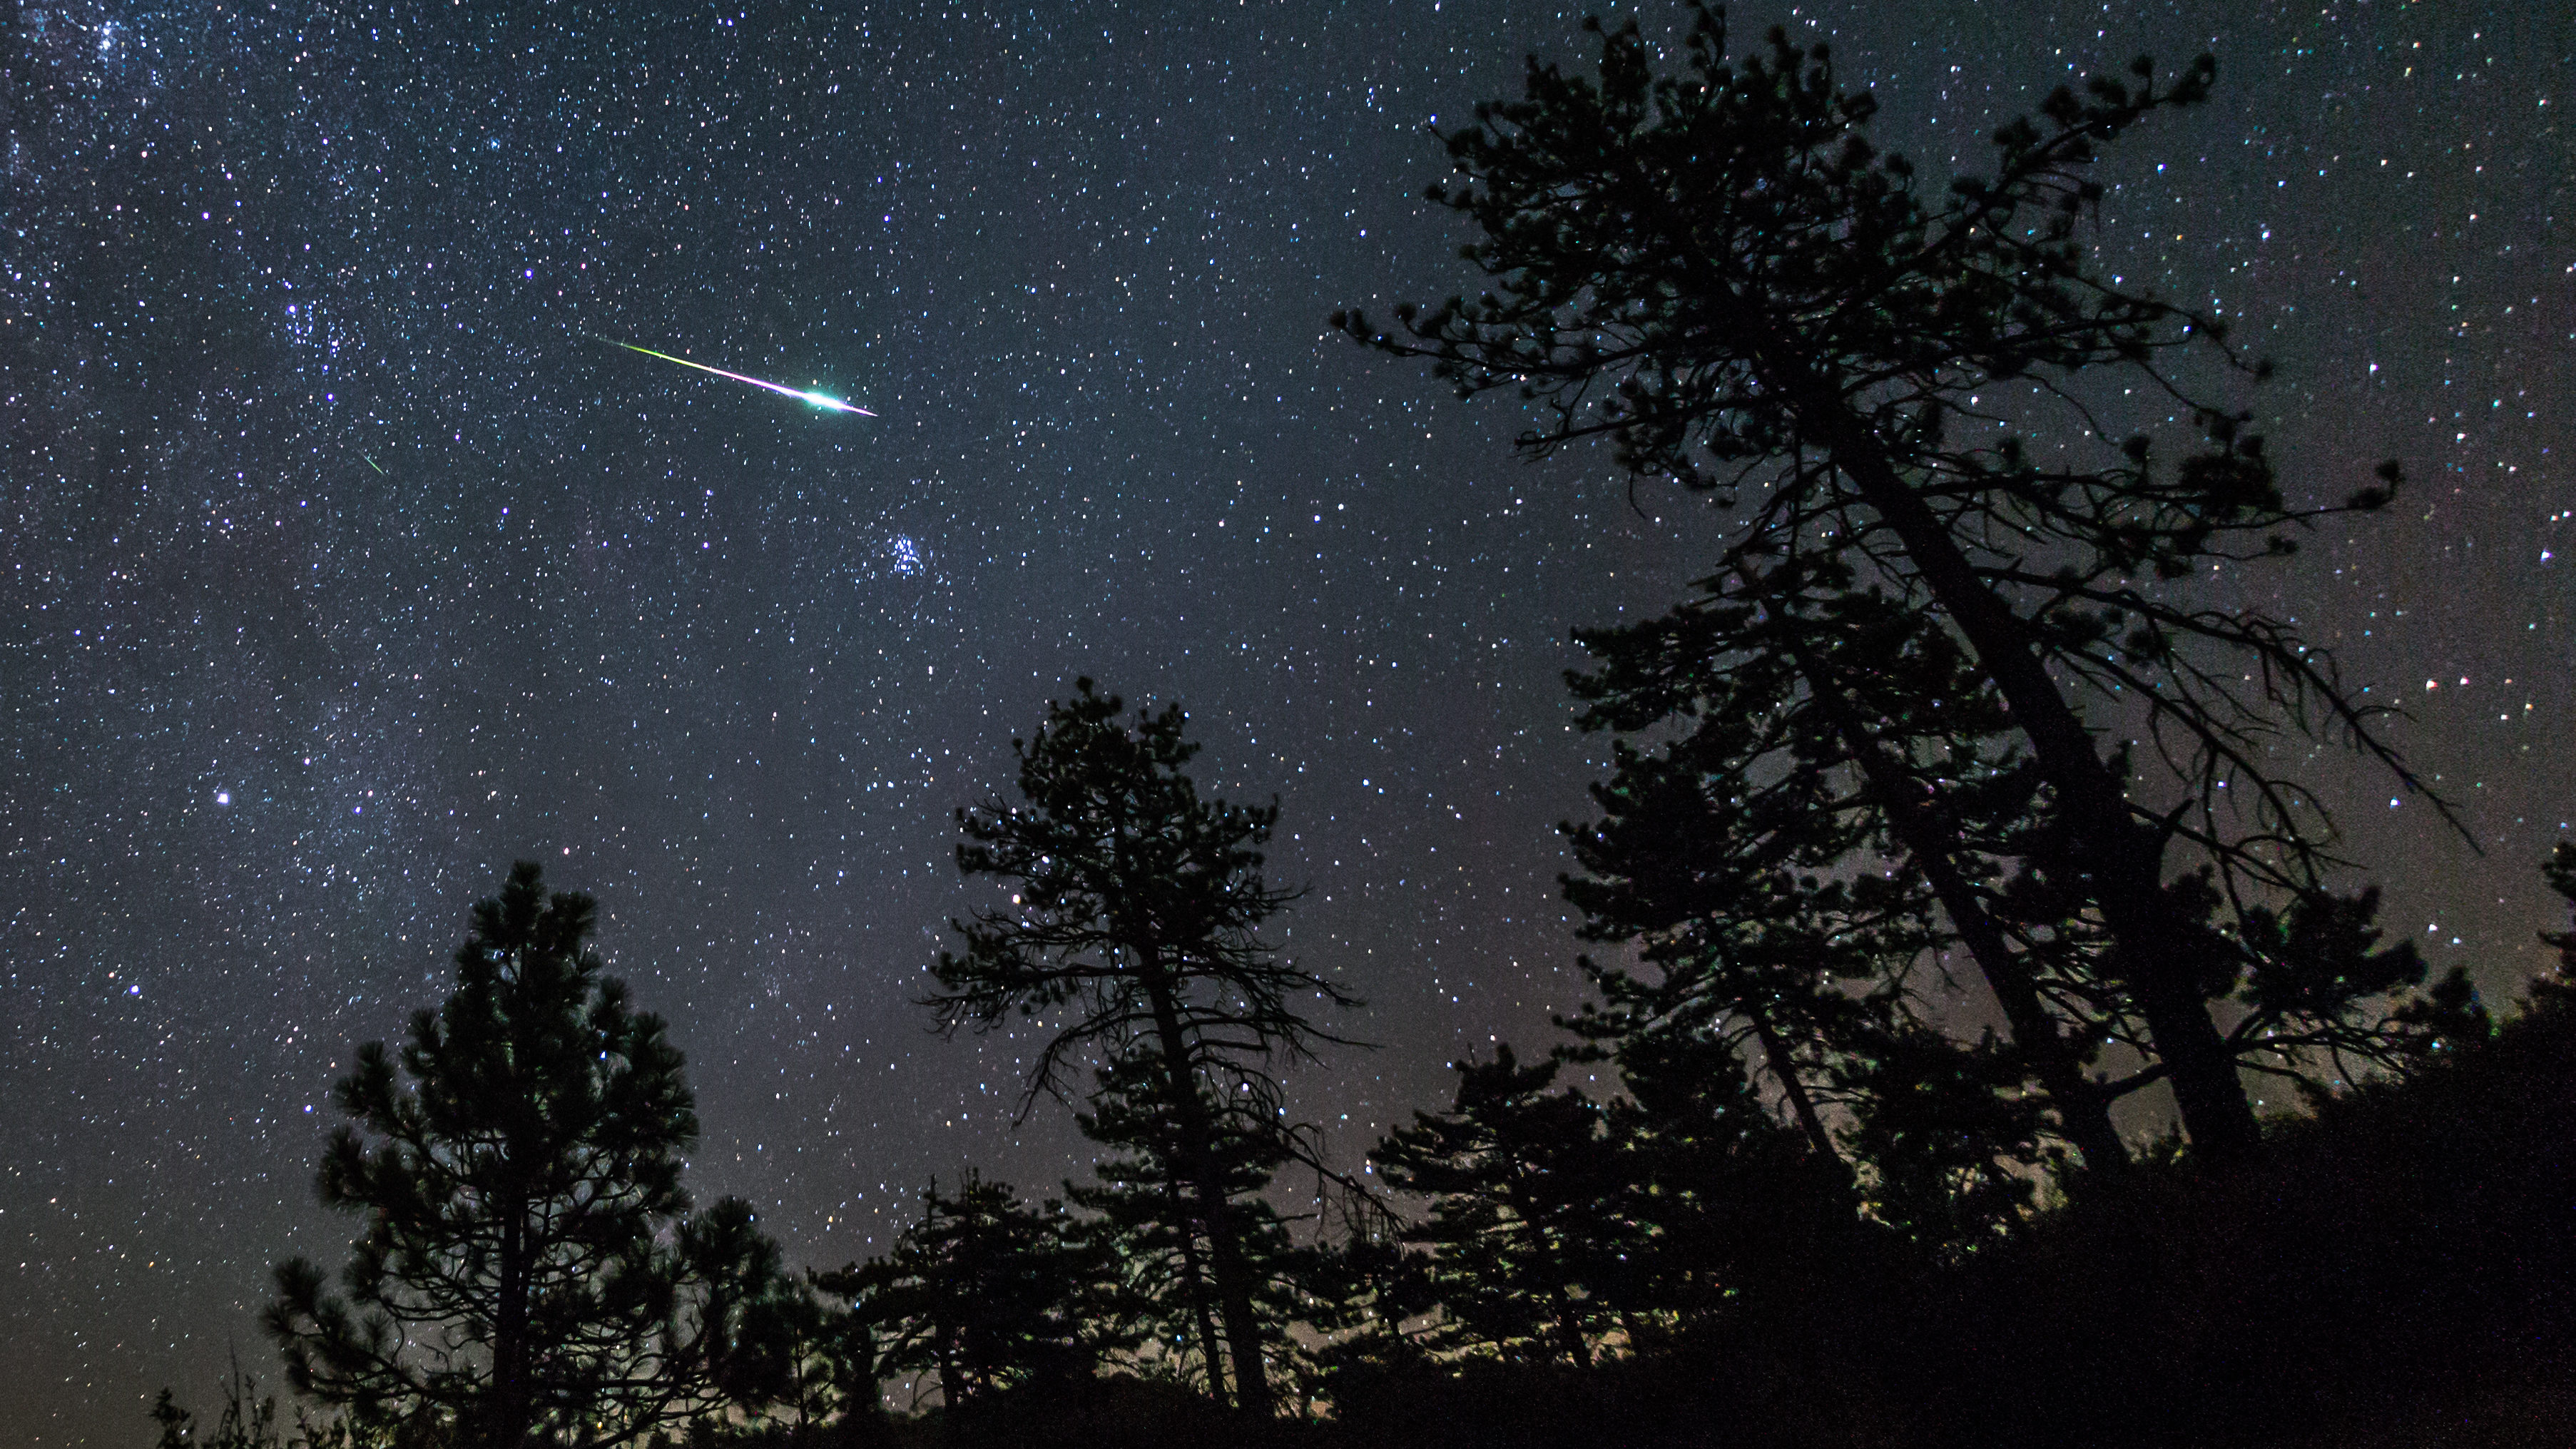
pixel 820 400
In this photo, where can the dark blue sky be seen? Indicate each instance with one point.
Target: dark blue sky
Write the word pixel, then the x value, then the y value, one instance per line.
pixel 339 566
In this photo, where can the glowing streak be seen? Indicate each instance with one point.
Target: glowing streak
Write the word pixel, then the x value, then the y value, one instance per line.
pixel 829 404
pixel 372 463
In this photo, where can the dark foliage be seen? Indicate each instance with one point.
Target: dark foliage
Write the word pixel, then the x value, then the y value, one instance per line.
pixel 1110 1413
pixel 1718 273
pixel 1369 1302
pixel 1134 928
pixel 1776 866
pixel 1525 1235
pixel 530 1272
pixel 982 1293
pixel 1952 1145
pixel 1146 1221
pixel 2404 1245
pixel 2392 1271
pixel 1728 1212
pixel 1558 1227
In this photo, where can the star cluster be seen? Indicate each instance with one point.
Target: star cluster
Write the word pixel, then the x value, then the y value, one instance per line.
pixel 341 562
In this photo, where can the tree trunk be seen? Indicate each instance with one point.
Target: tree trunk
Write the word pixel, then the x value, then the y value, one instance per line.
pixel 1775 1055
pixel 508 1424
pixel 1209 1344
pixel 1560 1304
pixel 1569 1326
pixel 2082 1107
pixel 1225 1255
pixel 952 1382
pixel 2150 951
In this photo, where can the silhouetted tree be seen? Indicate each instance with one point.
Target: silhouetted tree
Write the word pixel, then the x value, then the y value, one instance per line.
pixel 1776 866
pixel 1720 274
pixel 1710 859
pixel 1525 1231
pixel 1953 1148
pixel 983 1292
pixel 1724 1205
pixel 798 1363
pixel 1843 735
pixel 1135 919
pixel 1145 1198
pixel 530 1272
pixel 1359 1290
pixel 248 1419
pixel 2317 962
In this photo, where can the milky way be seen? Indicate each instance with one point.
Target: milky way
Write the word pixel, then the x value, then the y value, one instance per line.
pixel 338 569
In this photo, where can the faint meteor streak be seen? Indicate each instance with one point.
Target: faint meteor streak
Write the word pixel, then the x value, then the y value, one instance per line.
pixel 820 400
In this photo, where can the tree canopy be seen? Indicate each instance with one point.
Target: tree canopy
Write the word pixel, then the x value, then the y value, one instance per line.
pixel 1893 387
pixel 1134 925
pixel 530 1272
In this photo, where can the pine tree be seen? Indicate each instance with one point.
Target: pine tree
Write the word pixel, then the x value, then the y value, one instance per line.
pixel 530 1272
pixel 1952 1146
pixel 1359 1289
pixel 797 1363
pixel 1718 273
pixel 1724 1204
pixel 1905 778
pixel 1136 911
pixel 2314 962
pixel 1145 1200
pixel 983 1292
pixel 1778 864
pixel 1525 1235
pixel 1710 859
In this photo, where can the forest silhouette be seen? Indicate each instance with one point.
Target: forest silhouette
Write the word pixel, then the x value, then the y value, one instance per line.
pixel 1944 699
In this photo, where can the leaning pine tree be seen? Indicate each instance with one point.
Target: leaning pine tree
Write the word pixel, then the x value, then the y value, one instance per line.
pixel 1718 272
pixel 1854 731
pixel 530 1273
pixel 1142 1210
pixel 1135 921
pixel 1529 1248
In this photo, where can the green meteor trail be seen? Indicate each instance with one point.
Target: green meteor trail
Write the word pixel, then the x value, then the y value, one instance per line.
pixel 820 400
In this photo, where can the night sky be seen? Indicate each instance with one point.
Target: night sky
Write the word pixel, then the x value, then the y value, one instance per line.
pixel 340 565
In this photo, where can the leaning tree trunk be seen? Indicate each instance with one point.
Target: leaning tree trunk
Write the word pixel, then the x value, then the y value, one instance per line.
pixel 1784 1066
pixel 2150 950
pixel 1196 1274
pixel 1225 1253
pixel 2083 1107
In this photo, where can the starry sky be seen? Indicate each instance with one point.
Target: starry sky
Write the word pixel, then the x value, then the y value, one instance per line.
pixel 340 564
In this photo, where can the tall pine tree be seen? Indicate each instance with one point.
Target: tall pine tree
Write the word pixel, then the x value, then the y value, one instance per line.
pixel 530 1272
pixel 1779 862
pixel 1145 1198
pixel 1718 272
pixel 1134 928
